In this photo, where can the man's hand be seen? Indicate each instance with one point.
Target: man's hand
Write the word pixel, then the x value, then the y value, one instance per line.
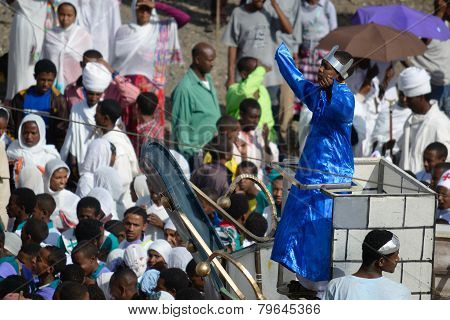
pixel 154 220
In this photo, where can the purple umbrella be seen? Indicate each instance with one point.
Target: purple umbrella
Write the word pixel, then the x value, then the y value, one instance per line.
pixel 403 18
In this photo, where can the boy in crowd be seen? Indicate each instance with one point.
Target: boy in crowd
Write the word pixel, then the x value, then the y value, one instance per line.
pixel 148 127
pixel 21 205
pixel 123 285
pixel 208 208
pixel 172 280
pixel 434 154
pixel 443 190
pixel 45 206
pixel 256 198
pixel 34 231
pixel 49 263
pixel 86 254
pixel 197 281
pixel 257 225
pixel 27 256
pixel 44 99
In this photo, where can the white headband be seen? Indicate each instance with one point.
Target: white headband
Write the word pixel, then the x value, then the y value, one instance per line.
pixel 391 246
pixel 339 67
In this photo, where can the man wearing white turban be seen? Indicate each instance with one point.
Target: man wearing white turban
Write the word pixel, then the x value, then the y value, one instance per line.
pixel 426 124
pixel 96 78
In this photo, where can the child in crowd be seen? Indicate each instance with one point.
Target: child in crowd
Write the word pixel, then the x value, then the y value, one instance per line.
pixel 254 195
pixel 34 231
pixel 172 280
pixel 45 206
pixel 257 225
pixel 434 154
pixel 27 256
pixel 443 190
pixel 116 228
pixel 208 208
pixel 20 207
pixel 49 263
pixel 86 254
pixel 437 173
pixel 197 281
pixel 215 175
pixel 148 127
pixel 10 244
pixel 124 285
pixel 171 235
pixel 226 230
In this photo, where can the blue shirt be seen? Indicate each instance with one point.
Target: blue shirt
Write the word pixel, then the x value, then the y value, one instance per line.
pixel 34 102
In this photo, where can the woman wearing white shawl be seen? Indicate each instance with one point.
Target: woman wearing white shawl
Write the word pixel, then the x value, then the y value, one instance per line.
pixel 107 203
pixel 142 193
pixel 135 258
pixel 55 180
pixel 179 258
pixel 98 155
pixel 25 43
pixel 96 78
pixel 33 154
pixel 31 178
pixel 64 45
pixel 158 254
pixel 109 179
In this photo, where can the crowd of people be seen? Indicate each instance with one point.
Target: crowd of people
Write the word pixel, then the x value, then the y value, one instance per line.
pixel 85 93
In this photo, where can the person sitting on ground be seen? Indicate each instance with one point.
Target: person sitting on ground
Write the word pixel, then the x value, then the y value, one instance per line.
pixel 45 206
pixel 171 235
pixel 437 173
pixel 34 231
pixel 215 175
pixel 71 290
pixel 85 254
pixel 20 207
pixel 116 228
pixel 135 222
pixel 251 86
pixel 197 281
pixel 64 44
pixel 148 127
pixel 55 180
pixel 44 99
pixel 10 244
pixel 380 253
pixel 226 230
pixel 31 152
pixel 123 284
pixel 49 263
pixel 172 280
pixel 210 211
pixel 434 154
pixel 158 254
pixel 443 190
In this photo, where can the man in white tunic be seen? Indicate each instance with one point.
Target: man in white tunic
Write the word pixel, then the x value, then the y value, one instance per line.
pixel 426 124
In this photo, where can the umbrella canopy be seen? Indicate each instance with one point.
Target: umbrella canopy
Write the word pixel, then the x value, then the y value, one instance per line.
pixel 374 42
pixel 403 18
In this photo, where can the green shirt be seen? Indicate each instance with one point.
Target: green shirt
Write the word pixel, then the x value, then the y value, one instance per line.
pixel 195 111
pixel 250 88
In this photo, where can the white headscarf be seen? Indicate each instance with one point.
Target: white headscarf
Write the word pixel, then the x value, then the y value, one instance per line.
pixel 179 258
pixel 414 82
pixel 38 154
pixel 108 178
pixel 98 154
pixel 142 192
pixel 162 247
pixel 135 258
pixel 30 177
pixel 114 259
pixel 96 77
pixel 107 203
pixel 65 214
pixel 169 225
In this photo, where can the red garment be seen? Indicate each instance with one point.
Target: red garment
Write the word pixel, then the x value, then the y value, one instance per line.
pixel 147 130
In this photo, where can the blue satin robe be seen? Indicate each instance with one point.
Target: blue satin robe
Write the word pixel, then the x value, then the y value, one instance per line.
pixel 304 235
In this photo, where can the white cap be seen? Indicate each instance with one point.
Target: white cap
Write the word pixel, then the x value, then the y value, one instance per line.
pixel 13 243
pixel 414 82
pixel 162 247
pixel 96 77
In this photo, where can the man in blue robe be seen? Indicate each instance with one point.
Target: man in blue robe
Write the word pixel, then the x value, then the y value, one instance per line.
pixel 303 239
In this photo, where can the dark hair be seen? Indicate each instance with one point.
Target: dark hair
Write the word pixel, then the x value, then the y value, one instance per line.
pixel 440 148
pixel 92 54
pixel 31 249
pixel 4 114
pixel 373 241
pixel 249 166
pixel 256 224
pixel 443 165
pixel 211 193
pixel 174 279
pixel 14 284
pixel 147 103
pixel 190 268
pixel 89 202
pixel 46 202
pixel 115 227
pixel 137 211
pixel 36 229
pixel 25 198
pixel 219 147
pixel 95 293
pixel 244 64
pixel 189 294
pixel 56 258
pixel 239 205
pixel 124 272
pixel 344 57
pixel 2 236
pixel 68 4
pixel 71 290
pixel 44 65
pixel 248 104
pixel 72 272
pixel 87 248
pixel 88 230
pixel 110 108
pixel 226 122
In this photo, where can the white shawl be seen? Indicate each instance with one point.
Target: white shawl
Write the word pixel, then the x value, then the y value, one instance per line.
pixel 79 135
pixel 66 47
pixel 435 126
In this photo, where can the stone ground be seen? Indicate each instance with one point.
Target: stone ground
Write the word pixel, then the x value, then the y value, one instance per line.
pixel 194 32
